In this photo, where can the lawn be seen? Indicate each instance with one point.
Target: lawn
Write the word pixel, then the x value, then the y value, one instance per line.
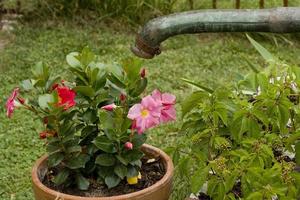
pixel 211 59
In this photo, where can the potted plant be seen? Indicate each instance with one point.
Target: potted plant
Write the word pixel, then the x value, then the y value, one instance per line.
pixel 242 140
pixel 93 128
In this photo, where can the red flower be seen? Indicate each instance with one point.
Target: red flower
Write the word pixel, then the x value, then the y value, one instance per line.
pixel 66 97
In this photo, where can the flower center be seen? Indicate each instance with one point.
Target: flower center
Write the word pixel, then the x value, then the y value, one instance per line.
pixel 144 113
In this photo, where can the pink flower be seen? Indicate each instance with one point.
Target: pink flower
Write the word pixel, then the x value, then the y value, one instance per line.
pixel 10 103
pixel 128 145
pixel 146 114
pixel 66 97
pixel 109 107
pixel 168 112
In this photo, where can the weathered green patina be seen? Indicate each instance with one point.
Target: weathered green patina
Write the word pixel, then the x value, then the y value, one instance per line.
pixel 277 20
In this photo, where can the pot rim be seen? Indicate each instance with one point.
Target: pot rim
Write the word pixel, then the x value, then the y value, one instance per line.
pixel 163 181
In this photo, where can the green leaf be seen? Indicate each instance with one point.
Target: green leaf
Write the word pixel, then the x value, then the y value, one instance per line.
pixel 41 71
pixel 77 161
pixel 85 90
pixel 55 159
pixel 27 85
pixel 263 52
pixel 283 116
pixel 121 171
pixel 198 85
pixel 250 64
pixel 122 160
pixel 90 116
pixel 105 160
pixel 293 138
pixel 222 113
pixel 191 102
pixel 199 178
pixel 133 155
pixel 51 82
pixel 112 181
pixel 61 177
pixel 139 87
pixel 116 81
pixel 131 172
pixel 138 140
pixel 82 183
pixel 297 150
pixel 100 81
pixel 255 196
pixel 86 56
pixel 132 67
pixel 75 148
pixel 104 144
pixel 45 99
pixel 104 171
pixel 106 119
pixel 72 59
pixel 253 128
pixel 53 147
pixel 80 76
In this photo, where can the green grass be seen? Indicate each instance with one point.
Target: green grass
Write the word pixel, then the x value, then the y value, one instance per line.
pixel 208 58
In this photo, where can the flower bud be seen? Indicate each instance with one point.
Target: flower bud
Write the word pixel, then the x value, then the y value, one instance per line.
pixel 143 73
pixel 45 120
pixel 54 86
pixel 109 107
pixel 133 125
pixel 43 135
pixel 21 100
pixel 128 146
pixel 122 97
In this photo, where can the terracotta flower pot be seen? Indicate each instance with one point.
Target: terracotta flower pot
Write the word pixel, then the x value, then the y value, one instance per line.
pixel 159 191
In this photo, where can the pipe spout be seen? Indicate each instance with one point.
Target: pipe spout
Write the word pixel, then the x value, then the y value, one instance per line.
pixel 277 20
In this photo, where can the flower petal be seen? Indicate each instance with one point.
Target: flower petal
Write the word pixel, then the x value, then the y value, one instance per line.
pixel 156 95
pixel 135 111
pixel 168 114
pixel 168 99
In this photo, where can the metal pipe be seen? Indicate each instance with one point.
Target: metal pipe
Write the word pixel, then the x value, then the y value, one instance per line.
pixel 278 20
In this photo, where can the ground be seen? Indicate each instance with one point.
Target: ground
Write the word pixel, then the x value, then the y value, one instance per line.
pixel 207 58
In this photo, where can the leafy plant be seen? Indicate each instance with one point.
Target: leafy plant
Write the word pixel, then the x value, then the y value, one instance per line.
pixel 93 124
pixel 241 141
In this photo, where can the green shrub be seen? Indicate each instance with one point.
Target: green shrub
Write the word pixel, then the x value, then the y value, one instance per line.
pixel 242 140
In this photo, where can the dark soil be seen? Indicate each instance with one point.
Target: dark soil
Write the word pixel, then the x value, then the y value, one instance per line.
pixel 151 173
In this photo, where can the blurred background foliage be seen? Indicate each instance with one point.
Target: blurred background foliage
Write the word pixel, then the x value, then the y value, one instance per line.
pixel 132 11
